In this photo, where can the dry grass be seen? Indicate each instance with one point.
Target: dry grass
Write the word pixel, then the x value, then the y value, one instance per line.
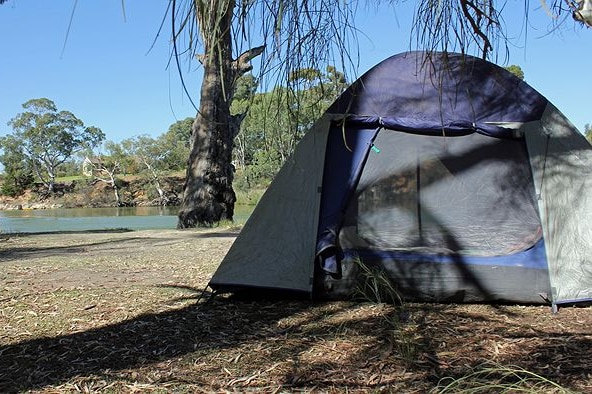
pixel 120 312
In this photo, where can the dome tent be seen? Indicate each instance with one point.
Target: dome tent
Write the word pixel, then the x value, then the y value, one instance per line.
pixel 447 172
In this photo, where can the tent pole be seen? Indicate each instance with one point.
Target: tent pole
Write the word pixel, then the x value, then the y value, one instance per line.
pixel 418 189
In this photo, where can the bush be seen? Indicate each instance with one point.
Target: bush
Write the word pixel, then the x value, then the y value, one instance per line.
pixel 15 186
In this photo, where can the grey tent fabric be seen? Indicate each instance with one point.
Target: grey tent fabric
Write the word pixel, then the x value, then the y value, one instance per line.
pixel 287 218
pixel 561 161
pixel 465 185
pixel 469 194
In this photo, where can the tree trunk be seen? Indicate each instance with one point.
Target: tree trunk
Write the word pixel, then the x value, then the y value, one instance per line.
pixel 117 196
pixel 208 196
pixel 162 199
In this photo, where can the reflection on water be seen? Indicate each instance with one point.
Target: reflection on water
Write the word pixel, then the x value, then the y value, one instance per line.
pixel 80 219
pixel 90 212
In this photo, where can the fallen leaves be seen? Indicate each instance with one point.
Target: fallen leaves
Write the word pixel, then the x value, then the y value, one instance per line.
pixel 134 325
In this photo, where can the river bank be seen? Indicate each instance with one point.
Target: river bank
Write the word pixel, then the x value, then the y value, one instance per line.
pixel 86 193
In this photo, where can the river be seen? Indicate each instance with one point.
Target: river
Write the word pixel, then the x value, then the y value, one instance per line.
pixel 83 219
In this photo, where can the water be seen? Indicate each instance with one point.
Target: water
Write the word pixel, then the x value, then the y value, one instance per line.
pixel 82 219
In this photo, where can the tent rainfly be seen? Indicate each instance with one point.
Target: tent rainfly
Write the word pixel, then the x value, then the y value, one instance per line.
pixel 448 173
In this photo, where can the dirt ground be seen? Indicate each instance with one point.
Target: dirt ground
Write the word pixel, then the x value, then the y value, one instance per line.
pixel 122 312
pixel 50 261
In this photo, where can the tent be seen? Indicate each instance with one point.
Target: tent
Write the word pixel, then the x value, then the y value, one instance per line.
pixel 448 173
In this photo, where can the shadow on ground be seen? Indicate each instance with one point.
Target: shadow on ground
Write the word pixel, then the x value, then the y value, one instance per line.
pixel 229 344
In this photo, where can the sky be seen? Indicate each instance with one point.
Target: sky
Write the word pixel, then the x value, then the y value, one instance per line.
pixel 111 69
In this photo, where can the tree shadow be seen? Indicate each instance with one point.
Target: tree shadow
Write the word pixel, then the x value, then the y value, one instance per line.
pixel 218 234
pixel 146 339
pixel 284 331
pixel 227 344
pixel 554 347
pixel 19 253
pixel 15 252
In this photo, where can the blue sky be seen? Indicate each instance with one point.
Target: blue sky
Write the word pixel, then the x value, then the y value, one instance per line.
pixel 109 74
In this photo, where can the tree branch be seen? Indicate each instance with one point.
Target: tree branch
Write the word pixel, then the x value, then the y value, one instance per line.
pixel 242 64
pixel 476 28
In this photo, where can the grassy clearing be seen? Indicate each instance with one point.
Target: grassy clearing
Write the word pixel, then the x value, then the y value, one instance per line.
pixel 70 178
pixel 123 312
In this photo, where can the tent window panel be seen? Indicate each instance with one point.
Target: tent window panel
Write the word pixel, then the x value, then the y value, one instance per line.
pixel 470 194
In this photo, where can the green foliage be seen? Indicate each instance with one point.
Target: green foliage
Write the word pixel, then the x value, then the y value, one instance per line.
pixel 115 155
pixel 180 131
pixel 249 196
pixel 119 153
pixel 516 70
pixel 16 181
pixel 15 185
pixel 174 151
pixel 588 132
pixel 70 168
pixel 73 178
pixel 49 138
pixel 18 170
pixel 245 87
pixel 308 75
pixel 166 153
pixel 153 157
pixel 275 121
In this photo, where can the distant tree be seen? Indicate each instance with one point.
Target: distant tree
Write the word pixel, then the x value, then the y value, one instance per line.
pixel 173 152
pixel 156 157
pixel 246 86
pixel 148 152
pixel 276 120
pixel 70 167
pixel 120 151
pixel 516 70
pixel 588 132
pixel 106 167
pixel 181 131
pixel 309 76
pixel 18 172
pixel 49 138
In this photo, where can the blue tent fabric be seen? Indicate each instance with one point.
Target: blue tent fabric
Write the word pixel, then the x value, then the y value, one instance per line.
pixel 532 258
pixel 349 147
pixel 444 93
pixel 427 103
pixel 430 127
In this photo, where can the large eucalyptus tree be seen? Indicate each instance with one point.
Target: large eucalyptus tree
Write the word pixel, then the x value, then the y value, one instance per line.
pixel 48 138
pixel 295 34
pixel 289 34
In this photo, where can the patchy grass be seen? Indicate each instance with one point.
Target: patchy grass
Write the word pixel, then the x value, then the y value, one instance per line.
pixel 490 377
pixel 124 312
pixel 71 178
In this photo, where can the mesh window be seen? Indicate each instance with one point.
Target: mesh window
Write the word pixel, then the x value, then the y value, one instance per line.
pixel 471 195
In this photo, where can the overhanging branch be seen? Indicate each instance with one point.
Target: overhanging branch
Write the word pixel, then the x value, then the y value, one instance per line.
pixel 242 64
pixel 476 26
